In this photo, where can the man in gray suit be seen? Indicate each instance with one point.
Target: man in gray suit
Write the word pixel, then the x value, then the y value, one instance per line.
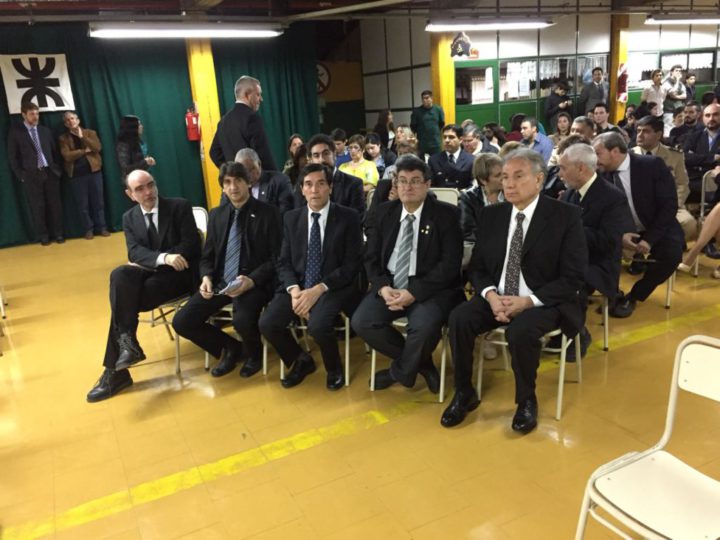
pixel 596 91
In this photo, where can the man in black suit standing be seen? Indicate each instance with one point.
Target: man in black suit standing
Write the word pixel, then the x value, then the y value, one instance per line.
pixel 271 187
pixel 527 270
pixel 34 160
pixel 163 249
pixel 237 266
pixel 650 190
pixel 453 166
pixel 318 269
pixel 242 127
pixel 414 255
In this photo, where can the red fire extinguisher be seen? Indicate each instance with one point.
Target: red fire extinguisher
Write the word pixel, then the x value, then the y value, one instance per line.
pixel 192 125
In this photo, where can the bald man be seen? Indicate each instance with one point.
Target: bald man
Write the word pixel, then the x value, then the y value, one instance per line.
pixel 702 148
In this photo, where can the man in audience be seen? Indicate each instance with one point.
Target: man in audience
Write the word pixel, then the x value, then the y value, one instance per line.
pixel 655 93
pixel 453 166
pixel 163 249
pixel 702 147
pixel 596 91
pixel 237 266
pixel 527 270
pixel 414 254
pixel 600 117
pixel 474 141
pixel 675 96
pixel 584 126
pixel 691 122
pixel 318 269
pixel 271 187
pixel 426 122
pixel 242 126
pixel 649 135
pixel 33 158
pixel 535 140
pixel 342 154
pixel 651 194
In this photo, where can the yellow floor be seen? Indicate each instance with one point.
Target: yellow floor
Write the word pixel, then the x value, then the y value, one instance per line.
pixel 195 457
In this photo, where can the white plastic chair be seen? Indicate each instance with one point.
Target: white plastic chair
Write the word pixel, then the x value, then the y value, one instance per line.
pixel 446 195
pixel 654 493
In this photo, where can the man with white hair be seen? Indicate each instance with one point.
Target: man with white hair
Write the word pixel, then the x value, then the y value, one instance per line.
pixel 242 126
pixel 268 186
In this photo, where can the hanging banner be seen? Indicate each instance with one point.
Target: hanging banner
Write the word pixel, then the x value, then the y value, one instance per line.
pixel 40 78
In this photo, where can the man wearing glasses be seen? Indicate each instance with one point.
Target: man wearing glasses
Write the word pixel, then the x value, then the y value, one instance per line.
pixel 163 250
pixel 414 253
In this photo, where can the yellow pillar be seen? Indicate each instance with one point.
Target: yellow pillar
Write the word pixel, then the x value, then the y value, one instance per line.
pixel 201 68
pixel 442 70
pixel 619 25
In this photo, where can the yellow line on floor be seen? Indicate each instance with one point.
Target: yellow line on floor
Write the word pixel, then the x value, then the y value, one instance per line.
pixel 256 457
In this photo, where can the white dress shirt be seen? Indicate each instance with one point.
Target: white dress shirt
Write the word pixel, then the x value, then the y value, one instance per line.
pixel 624 172
pixel 416 232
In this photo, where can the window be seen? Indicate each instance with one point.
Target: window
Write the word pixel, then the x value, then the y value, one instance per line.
pixel 518 80
pixel 474 85
pixel 554 70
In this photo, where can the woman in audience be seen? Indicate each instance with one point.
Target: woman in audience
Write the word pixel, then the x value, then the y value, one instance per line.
pixel 563 123
pixel 298 162
pixel 709 233
pixel 403 133
pixel 487 190
pixel 377 153
pixel 294 142
pixel 494 134
pixel 358 166
pixel 385 128
pixel 515 121
pixel 131 150
pixel 629 110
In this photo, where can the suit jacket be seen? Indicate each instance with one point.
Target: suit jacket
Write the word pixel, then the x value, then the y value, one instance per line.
pixel 591 96
pixel 455 175
pixel 70 154
pixel 241 128
pixel 554 256
pixel 260 243
pixel 699 156
pixel 275 189
pixel 439 252
pixel 342 248
pixel 130 157
pixel 471 203
pixel 22 155
pixel 674 160
pixel 176 229
pixel 605 217
pixel 347 191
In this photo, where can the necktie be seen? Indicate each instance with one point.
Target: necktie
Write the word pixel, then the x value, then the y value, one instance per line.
pixel 314 254
pixel 616 180
pixel 575 198
pixel 451 159
pixel 36 143
pixel 601 91
pixel 512 276
pixel 153 237
pixel 402 266
pixel 648 153
pixel 232 251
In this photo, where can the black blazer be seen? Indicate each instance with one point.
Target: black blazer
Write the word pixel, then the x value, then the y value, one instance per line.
pixel 22 155
pixel 342 248
pixel 470 203
pixel 455 175
pixel 440 248
pixel 130 157
pixel 554 256
pixel 260 243
pixel 241 128
pixel 347 191
pixel 699 157
pixel 275 189
pixel 606 217
pixel 176 229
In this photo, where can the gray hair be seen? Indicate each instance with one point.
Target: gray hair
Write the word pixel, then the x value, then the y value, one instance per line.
pixel 610 141
pixel 473 130
pixel 581 153
pixel 243 84
pixel 535 160
pixel 248 154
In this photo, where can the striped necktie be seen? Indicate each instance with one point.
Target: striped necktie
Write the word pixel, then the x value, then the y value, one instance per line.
pixel 232 251
pixel 402 266
pixel 41 161
pixel 512 275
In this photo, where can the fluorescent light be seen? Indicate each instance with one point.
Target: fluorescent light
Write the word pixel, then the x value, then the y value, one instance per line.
pixel 160 30
pixel 681 19
pixel 487 25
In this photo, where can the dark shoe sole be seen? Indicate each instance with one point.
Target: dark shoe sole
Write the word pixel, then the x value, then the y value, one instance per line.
pixel 215 372
pixel 103 397
pixel 248 370
pixel 291 383
pixel 132 362
pixel 524 429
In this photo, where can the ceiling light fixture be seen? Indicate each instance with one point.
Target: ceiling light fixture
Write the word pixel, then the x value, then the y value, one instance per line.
pixel 161 30
pixel 681 19
pixel 483 25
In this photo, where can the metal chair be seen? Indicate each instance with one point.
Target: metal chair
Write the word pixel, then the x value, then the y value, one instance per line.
pixel 3 302
pixel 708 186
pixel 653 493
pixel 447 195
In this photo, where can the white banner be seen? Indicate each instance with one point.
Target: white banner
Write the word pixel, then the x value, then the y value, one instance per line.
pixel 40 78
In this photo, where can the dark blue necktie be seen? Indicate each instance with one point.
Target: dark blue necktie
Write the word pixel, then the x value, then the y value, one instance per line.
pixel 41 162
pixel 314 254
pixel 232 252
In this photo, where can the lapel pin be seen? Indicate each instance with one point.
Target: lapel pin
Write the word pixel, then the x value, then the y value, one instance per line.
pixel 252 215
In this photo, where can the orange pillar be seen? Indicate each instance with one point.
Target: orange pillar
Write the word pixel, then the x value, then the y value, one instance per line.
pixel 619 25
pixel 442 69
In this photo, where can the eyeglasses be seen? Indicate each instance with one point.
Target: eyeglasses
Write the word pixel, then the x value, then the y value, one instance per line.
pixel 325 153
pixel 411 181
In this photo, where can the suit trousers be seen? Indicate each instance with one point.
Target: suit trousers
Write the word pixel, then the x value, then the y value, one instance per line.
pixel 42 188
pixel 321 325
pixel 667 254
pixel 191 323
pixel 373 323
pixel 133 290
pixel 88 194
pixel 523 335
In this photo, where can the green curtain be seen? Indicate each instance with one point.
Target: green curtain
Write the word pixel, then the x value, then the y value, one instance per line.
pixel 109 79
pixel 285 67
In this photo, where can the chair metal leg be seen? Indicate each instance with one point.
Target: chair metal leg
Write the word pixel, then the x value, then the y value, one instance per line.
pixel 265 355
pixel 561 378
pixel 480 364
pixel 606 323
pixel 668 293
pixel 578 358
pixel 207 361
pixel 282 369
pixel 347 351
pixel 506 357
pixel 696 267
pixel 177 354
pixel 3 303
pixel 443 362
pixel 373 358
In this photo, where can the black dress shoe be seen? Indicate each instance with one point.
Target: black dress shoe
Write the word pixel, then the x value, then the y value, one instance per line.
pixel 228 361
pixel 130 352
pixel 302 367
pixel 335 380
pixel 250 368
pixel 44 241
pixel 623 307
pixel 109 384
pixel 460 405
pixel 60 240
pixel 383 379
pixel 711 250
pixel 525 419
pixel 432 378
pixel 585 340
pixel 637 266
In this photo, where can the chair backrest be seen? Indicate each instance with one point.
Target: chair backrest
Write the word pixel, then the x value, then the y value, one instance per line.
pixel 201 219
pixel 447 195
pixel 369 198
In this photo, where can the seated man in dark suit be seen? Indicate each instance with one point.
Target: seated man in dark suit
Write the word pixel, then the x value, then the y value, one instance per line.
pixel 163 250
pixel 453 166
pixel 650 190
pixel 702 148
pixel 346 190
pixel 318 269
pixel 270 187
pixel 237 266
pixel 414 254
pixel 527 269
